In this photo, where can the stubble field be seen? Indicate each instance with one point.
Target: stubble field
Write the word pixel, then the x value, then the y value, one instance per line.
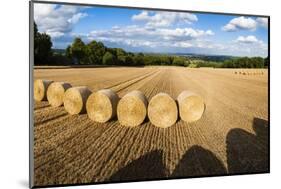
pixel 230 138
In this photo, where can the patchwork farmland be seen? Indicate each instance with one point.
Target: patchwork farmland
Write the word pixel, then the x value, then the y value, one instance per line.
pixel 231 137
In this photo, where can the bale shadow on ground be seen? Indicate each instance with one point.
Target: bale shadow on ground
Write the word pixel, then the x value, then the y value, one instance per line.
pixel 146 167
pixel 246 152
pixel 198 161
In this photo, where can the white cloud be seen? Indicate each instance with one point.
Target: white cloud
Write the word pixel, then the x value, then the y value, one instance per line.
pixel 249 44
pixel 57 20
pixel 247 39
pixel 242 23
pixel 262 22
pixel 154 37
pixel 164 19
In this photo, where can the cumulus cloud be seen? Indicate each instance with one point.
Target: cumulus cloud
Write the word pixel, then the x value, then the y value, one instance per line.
pixel 250 44
pixel 57 20
pixel 164 19
pixel 153 37
pixel 247 39
pixel 242 23
pixel 262 22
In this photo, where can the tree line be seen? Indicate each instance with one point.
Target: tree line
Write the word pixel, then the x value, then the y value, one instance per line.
pixel 96 53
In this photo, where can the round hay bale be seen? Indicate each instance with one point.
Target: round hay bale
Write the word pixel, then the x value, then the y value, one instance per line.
pixel 162 110
pixel 132 109
pixel 75 99
pixel 55 93
pixel 40 89
pixel 101 106
pixel 191 106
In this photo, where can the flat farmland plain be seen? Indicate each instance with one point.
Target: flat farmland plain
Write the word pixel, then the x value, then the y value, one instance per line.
pixel 230 138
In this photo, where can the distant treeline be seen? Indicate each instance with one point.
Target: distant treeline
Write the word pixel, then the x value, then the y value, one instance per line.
pixel 96 53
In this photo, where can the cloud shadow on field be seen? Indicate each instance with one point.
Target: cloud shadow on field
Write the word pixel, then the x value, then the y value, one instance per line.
pixel 146 167
pixel 246 152
pixel 198 161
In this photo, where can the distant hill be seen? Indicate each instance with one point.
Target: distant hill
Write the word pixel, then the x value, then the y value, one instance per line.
pixel 59 51
pixel 206 57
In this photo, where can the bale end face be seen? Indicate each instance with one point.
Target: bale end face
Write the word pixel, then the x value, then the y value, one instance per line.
pixel 55 93
pixel 191 106
pixel 101 106
pixel 131 109
pixel 75 100
pixel 40 89
pixel 162 110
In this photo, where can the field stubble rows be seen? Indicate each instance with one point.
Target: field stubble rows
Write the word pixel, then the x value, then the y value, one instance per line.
pixel 231 137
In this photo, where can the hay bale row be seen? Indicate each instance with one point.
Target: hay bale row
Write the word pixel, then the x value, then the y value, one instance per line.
pixel 131 110
pixel 249 73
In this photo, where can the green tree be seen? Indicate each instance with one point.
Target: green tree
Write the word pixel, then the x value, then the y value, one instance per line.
pixel 266 62
pixel 42 47
pixel 138 59
pixel 68 52
pixel 178 61
pixel 78 50
pixel 95 51
pixel 108 59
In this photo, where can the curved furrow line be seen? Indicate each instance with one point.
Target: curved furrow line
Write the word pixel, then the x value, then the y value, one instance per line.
pixel 45 116
pixel 138 84
pixel 112 86
pixel 41 107
pixel 177 147
pixel 107 83
pixel 62 134
pixel 132 82
pixel 51 126
pixel 149 88
pixel 50 155
pixel 38 105
pixel 88 164
pixel 120 155
pixel 64 155
pixel 91 132
pixel 94 151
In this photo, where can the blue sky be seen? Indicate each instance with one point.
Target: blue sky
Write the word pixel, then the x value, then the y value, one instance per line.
pixel 138 30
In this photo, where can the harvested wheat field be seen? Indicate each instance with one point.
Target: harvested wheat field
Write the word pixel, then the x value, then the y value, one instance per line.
pixel 231 137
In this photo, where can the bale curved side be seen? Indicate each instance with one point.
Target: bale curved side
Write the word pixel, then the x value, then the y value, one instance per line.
pixel 101 106
pixel 132 109
pixel 40 89
pixel 75 99
pixel 162 110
